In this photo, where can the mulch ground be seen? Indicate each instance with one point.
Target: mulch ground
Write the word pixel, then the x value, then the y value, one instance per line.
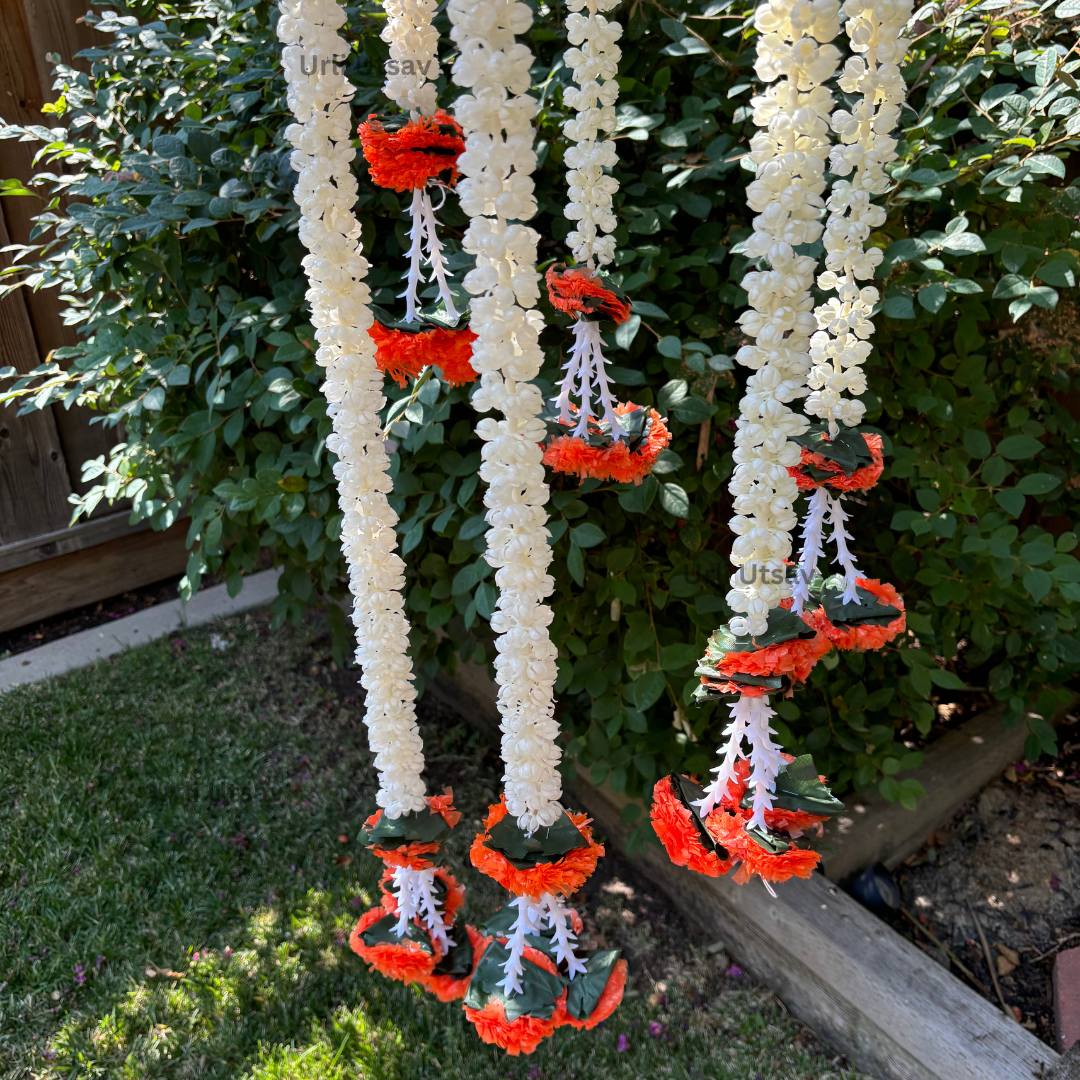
pixel 1008 864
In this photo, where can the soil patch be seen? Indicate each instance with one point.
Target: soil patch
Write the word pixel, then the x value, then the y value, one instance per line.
pixel 1008 864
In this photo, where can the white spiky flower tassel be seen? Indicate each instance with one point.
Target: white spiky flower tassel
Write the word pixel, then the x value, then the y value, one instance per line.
pixel 813 543
pixel 841 539
pixel 326 192
pixel 496 192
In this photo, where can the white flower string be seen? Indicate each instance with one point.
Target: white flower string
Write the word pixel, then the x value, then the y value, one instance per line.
pixel 414 55
pixel 326 191
pixel 496 193
pixel 840 346
pixel 593 60
pixel 789 155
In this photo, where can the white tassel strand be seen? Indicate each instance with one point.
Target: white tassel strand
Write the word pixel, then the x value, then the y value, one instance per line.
pixel 813 542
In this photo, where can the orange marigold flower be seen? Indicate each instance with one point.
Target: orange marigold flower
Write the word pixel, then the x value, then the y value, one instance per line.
pixel 406 961
pixel 862 638
pixel 753 859
pixel 795 659
pixel 563 876
pixel 860 480
pixel 453 893
pixel 674 826
pixel 616 461
pixel 450 987
pixel 410 155
pixel 403 354
pixel 525 1033
pixel 443 804
pixel 734 688
pixel 609 1001
pixel 581 292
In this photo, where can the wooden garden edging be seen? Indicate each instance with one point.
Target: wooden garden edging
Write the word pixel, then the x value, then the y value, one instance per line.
pixel 887 1006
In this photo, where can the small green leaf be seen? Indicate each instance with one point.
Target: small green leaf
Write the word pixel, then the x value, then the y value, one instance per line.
pixel 1019 447
pixel 587 535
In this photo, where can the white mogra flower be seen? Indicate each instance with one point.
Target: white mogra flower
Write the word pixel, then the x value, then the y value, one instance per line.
pixel 593 59
pixel 340 310
pixel 789 155
pixel 496 191
pixel 414 55
pixel 866 147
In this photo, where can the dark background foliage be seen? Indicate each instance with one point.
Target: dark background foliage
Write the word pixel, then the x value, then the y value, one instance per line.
pixel 170 228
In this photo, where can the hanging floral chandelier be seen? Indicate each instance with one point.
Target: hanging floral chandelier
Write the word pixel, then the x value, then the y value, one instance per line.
pixel 760 800
pixel 408 936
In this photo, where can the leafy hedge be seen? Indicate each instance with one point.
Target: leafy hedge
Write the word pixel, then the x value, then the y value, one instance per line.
pixel 171 231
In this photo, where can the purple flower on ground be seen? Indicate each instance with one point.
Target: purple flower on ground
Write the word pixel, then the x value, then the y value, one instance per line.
pixel 227 952
pixel 656 1029
pixel 734 971
pixel 534 1073
pixel 622 1043
pixel 80 974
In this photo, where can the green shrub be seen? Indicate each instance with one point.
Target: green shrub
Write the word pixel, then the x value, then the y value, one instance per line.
pixel 171 232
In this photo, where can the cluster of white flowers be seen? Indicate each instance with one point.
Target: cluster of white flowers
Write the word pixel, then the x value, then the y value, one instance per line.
pixel 326 192
pixel 594 61
pixel 496 192
pixel 789 154
pixel 866 146
pixel 414 54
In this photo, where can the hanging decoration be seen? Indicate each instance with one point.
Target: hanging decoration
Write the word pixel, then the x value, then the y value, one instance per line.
pixel 529 844
pixel 839 459
pixel 417 152
pixel 733 822
pixel 409 940
pixel 591 434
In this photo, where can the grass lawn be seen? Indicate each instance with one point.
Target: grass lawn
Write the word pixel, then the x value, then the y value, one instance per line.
pixel 178 876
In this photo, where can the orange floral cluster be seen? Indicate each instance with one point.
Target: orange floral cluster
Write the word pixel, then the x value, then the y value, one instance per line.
pixel 870 636
pixel 406 959
pixel 413 154
pixel 582 294
pixel 403 354
pixel 561 877
pixel 524 1034
pixel 615 462
pixel 860 480
pixel 795 659
pixel 732 846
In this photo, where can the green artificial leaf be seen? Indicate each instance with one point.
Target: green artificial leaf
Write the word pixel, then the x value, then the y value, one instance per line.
pixel 423 827
pixel 799 787
pixel 544 845
pixel 458 962
pixel 587 988
pixel 382 932
pixel 540 989
pixel 869 611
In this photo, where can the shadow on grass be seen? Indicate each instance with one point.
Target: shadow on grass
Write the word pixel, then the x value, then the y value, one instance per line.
pixel 178 878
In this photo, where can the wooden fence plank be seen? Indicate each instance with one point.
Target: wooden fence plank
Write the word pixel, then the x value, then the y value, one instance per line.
pixel 48 588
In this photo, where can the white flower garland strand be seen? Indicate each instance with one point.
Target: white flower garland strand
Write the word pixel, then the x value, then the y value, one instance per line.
pixel 593 60
pixel 414 55
pixel 813 543
pixel 841 344
pixel 789 155
pixel 326 192
pixel 410 83
pixel 497 194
